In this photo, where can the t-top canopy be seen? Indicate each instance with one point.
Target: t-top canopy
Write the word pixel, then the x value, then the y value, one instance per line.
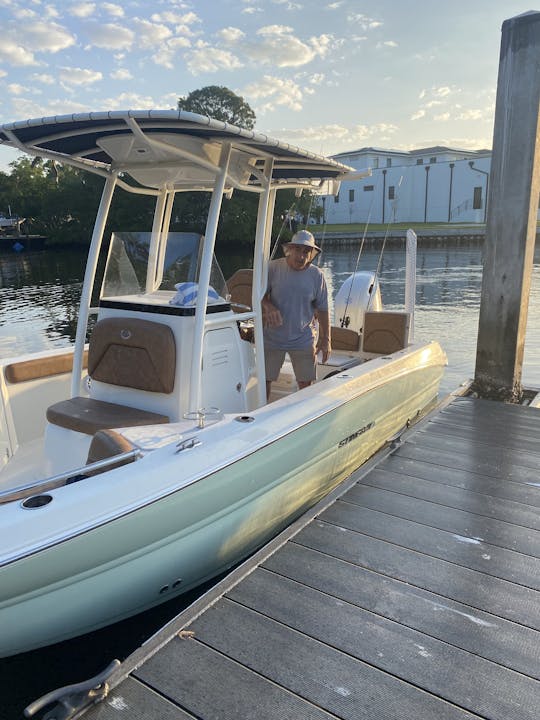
pixel 170 148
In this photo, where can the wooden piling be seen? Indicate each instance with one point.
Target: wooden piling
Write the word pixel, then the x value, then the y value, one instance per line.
pixel 512 212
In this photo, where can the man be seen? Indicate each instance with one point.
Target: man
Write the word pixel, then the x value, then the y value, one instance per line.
pixel 296 291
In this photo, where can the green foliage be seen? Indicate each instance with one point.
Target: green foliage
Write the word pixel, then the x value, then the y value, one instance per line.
pixel 220 103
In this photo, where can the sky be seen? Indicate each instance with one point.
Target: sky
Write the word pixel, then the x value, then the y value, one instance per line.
pixel 327 76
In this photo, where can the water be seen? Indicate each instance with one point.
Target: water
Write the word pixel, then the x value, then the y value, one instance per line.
pixel 39 294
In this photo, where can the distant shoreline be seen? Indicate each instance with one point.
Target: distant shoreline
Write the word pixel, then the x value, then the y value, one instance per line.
pixel 426 236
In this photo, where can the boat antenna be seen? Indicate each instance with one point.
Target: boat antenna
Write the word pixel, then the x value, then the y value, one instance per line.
pixel 286 218
pixel 391 221
pixel 344 320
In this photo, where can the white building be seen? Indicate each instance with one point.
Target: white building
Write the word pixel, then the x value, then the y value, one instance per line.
pixel 437 184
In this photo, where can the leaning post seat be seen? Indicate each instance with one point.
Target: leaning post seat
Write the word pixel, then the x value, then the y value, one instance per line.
pixel 344 339
pixel 240 286
pixel 385 332
pixel 126 352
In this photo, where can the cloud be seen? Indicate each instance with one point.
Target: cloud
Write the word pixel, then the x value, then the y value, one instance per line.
pixel 44 78
pixel 418 114
pixel 365 22
pixel 130 100
pixel 231 35
pixel 121 74
pixel 150 34
pixel 78 76
pixel 272 92
pixel 279 46
pixel 166 55
pixel 207 59
pixel 45 37
pixel 82 9
pixel 109 36
pixel 176 18
pixel 112 9
pixel 17 89
pixel 471 115
pixel 14 54
pixel 443 117
pixel 28 108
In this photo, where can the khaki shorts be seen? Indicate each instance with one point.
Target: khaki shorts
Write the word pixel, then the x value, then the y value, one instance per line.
pixel 303 362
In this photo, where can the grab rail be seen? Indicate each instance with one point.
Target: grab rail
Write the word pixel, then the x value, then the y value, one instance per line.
pixel 25 491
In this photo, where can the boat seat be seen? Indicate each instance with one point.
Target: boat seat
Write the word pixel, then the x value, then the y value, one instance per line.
pixel 239 286
pixel 133 353
pixel 89 416
pixel 127 352
pixel 385 332
pixel 106 444
pixel 344 339
pixel 37 368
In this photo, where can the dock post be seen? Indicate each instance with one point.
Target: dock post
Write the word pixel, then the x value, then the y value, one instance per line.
pixel 512 213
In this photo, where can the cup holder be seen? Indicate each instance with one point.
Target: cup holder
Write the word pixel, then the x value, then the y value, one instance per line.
pixel 36 501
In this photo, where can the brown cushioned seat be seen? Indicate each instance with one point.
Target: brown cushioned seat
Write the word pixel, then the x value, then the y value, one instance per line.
pixel 133 353
pixel 385 332
pixel 34 369
pixel 89 416
pixel 344 339
pixel 240 288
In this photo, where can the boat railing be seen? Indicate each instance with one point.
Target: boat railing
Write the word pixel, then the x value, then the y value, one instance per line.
pixel 23 492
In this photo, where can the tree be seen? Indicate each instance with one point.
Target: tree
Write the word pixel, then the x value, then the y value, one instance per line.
pixel 220 103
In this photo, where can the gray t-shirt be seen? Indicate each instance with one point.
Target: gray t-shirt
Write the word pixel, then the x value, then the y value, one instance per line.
pixel 296 294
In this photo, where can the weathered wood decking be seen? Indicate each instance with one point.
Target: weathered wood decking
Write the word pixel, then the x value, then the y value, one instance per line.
pixel 416 594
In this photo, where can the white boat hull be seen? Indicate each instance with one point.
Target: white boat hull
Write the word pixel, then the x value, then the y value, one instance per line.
pixel 113 545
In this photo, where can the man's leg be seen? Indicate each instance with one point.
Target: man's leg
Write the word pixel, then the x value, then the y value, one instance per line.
pixel 304 365
pixel 273 360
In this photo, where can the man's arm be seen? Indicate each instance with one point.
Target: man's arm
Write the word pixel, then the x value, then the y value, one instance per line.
pixel 271 315
pixel 323 342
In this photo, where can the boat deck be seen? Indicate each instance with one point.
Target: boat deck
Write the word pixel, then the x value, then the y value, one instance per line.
pixel 414 593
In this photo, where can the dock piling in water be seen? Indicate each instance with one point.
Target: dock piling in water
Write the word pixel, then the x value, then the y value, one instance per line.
pixel 512 212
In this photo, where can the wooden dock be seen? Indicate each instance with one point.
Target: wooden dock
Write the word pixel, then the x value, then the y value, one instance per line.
pixel 413 594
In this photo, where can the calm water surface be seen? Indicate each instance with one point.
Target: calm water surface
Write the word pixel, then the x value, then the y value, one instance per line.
pixel 39 294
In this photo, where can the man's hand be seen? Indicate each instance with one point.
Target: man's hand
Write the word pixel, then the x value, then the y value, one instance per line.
pixel 271 315
pixel 324 346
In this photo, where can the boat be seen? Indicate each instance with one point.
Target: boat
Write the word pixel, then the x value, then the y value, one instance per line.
pixel 10 223
pixel 145 459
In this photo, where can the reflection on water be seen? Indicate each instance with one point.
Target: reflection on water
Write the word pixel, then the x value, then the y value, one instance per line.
pixel 39 294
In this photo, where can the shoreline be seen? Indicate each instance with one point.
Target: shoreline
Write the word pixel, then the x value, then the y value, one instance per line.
pixel 426 236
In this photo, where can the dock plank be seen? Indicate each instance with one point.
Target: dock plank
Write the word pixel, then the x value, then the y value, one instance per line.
pixel 466 524
pixel 466 550
pixel 467 680
pixel 445 578
pixel 474 501
pixel 413 591
pixel 456 623
pixel 204 679
pixel 337 681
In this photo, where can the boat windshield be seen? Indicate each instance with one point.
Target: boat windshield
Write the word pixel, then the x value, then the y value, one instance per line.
pixel 178 261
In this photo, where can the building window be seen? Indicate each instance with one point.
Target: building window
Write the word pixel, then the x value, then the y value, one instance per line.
pixel 368 188
pixel 376 162
pixel 419 161
pixel 391 192
pixel 432 160
pixel 351 195
pixel 388 162
pixel 477 198
pixel 336 198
